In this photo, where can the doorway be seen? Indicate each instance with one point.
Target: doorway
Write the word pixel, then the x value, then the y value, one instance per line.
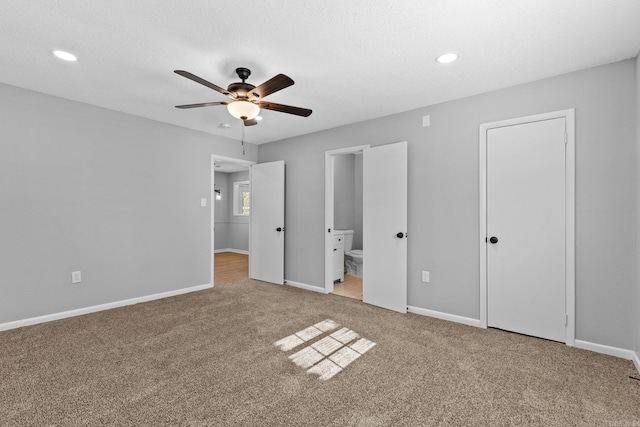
pixel 230 210
pixel 347 221
pixel 527 217
pixel 343 219
pixel 384 224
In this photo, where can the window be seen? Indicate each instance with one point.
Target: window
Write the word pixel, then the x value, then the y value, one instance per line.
pixel 241 198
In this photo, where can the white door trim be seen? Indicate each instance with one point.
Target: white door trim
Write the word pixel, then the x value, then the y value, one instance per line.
pixel 570 283
pixel 212 200
pixel 328 210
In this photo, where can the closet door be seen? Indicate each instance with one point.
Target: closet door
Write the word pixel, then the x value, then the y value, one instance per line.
pixel 526 228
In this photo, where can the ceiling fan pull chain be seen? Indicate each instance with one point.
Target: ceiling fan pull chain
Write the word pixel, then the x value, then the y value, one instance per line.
pixel 243 139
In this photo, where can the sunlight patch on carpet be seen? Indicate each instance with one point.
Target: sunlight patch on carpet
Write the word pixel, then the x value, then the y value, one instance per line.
pixel 300 337
pixel 325 369
pixel 326 345
pixel 306 357
pixel 329 355
pixel 345 335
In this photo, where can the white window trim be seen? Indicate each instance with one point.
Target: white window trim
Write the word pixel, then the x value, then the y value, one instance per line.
pixel 236 195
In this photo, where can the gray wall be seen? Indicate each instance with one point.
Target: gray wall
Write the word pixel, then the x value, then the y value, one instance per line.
pixel 238 225
pixel 637 215
pixel 113 195
pixel 348 195
pixel 344 192
pixel 443 194
pixel 222 211
pixel 232 232
pixel 357 230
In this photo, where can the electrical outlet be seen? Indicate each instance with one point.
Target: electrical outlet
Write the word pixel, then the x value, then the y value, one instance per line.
pixel 76 276
pixel 425 276
pixel 203 203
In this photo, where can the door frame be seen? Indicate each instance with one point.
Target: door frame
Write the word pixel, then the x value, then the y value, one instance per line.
pixel 328 209
pixel 212 198
pixel 570 285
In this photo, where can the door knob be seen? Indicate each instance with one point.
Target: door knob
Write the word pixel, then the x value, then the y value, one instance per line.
pixel 400 235
pixel 279 229
pixel 493 239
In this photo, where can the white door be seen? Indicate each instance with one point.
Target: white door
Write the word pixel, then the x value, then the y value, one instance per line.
pixel 384 226
pixel 526 194
pixel 266 250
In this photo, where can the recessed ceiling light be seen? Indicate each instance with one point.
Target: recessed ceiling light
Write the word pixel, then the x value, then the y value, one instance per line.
pixel 447 57
pixel 65 55
pixel 224 125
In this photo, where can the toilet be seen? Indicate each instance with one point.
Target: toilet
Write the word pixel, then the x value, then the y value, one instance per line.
pixel 352 257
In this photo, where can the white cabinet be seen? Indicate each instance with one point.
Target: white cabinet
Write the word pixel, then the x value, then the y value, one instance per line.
pixel 338 257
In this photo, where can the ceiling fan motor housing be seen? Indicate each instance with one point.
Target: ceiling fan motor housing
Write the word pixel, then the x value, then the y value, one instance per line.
pixel 241 89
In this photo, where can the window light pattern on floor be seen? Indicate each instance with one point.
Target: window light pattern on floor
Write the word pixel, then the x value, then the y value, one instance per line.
pixel 328 355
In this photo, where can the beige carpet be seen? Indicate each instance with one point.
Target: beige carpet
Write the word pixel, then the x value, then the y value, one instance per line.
pixel 208 358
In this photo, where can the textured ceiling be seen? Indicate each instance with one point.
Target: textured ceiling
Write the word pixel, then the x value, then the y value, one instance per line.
pixel 351 60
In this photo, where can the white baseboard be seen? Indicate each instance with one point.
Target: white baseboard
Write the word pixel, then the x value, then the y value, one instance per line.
pixel 605 349
pixel 237 251
pixel 304 286
pixel 444 316
pixel 636 361
pixel 86 310
pixel 585 345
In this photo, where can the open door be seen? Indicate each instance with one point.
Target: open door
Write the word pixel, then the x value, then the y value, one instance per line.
pixel 384 226
pixel 266 247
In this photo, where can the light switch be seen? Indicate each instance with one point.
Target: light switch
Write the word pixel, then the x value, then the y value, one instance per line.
pixel 76 276
pixel 426 121
pixel 425 276
pixel 203 203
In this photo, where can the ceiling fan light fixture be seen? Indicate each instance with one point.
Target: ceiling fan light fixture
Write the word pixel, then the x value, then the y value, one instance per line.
pixel 243 110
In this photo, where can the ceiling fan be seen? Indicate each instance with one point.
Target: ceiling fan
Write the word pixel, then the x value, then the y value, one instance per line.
pixel 246 99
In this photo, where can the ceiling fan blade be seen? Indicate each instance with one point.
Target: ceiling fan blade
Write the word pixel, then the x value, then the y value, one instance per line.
pixel 272 85
pixel 204 104
pixel 250 122
pixel 304 112
pixel 202 81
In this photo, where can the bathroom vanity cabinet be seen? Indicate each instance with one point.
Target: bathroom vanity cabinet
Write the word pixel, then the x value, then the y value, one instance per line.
pixel 338 258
